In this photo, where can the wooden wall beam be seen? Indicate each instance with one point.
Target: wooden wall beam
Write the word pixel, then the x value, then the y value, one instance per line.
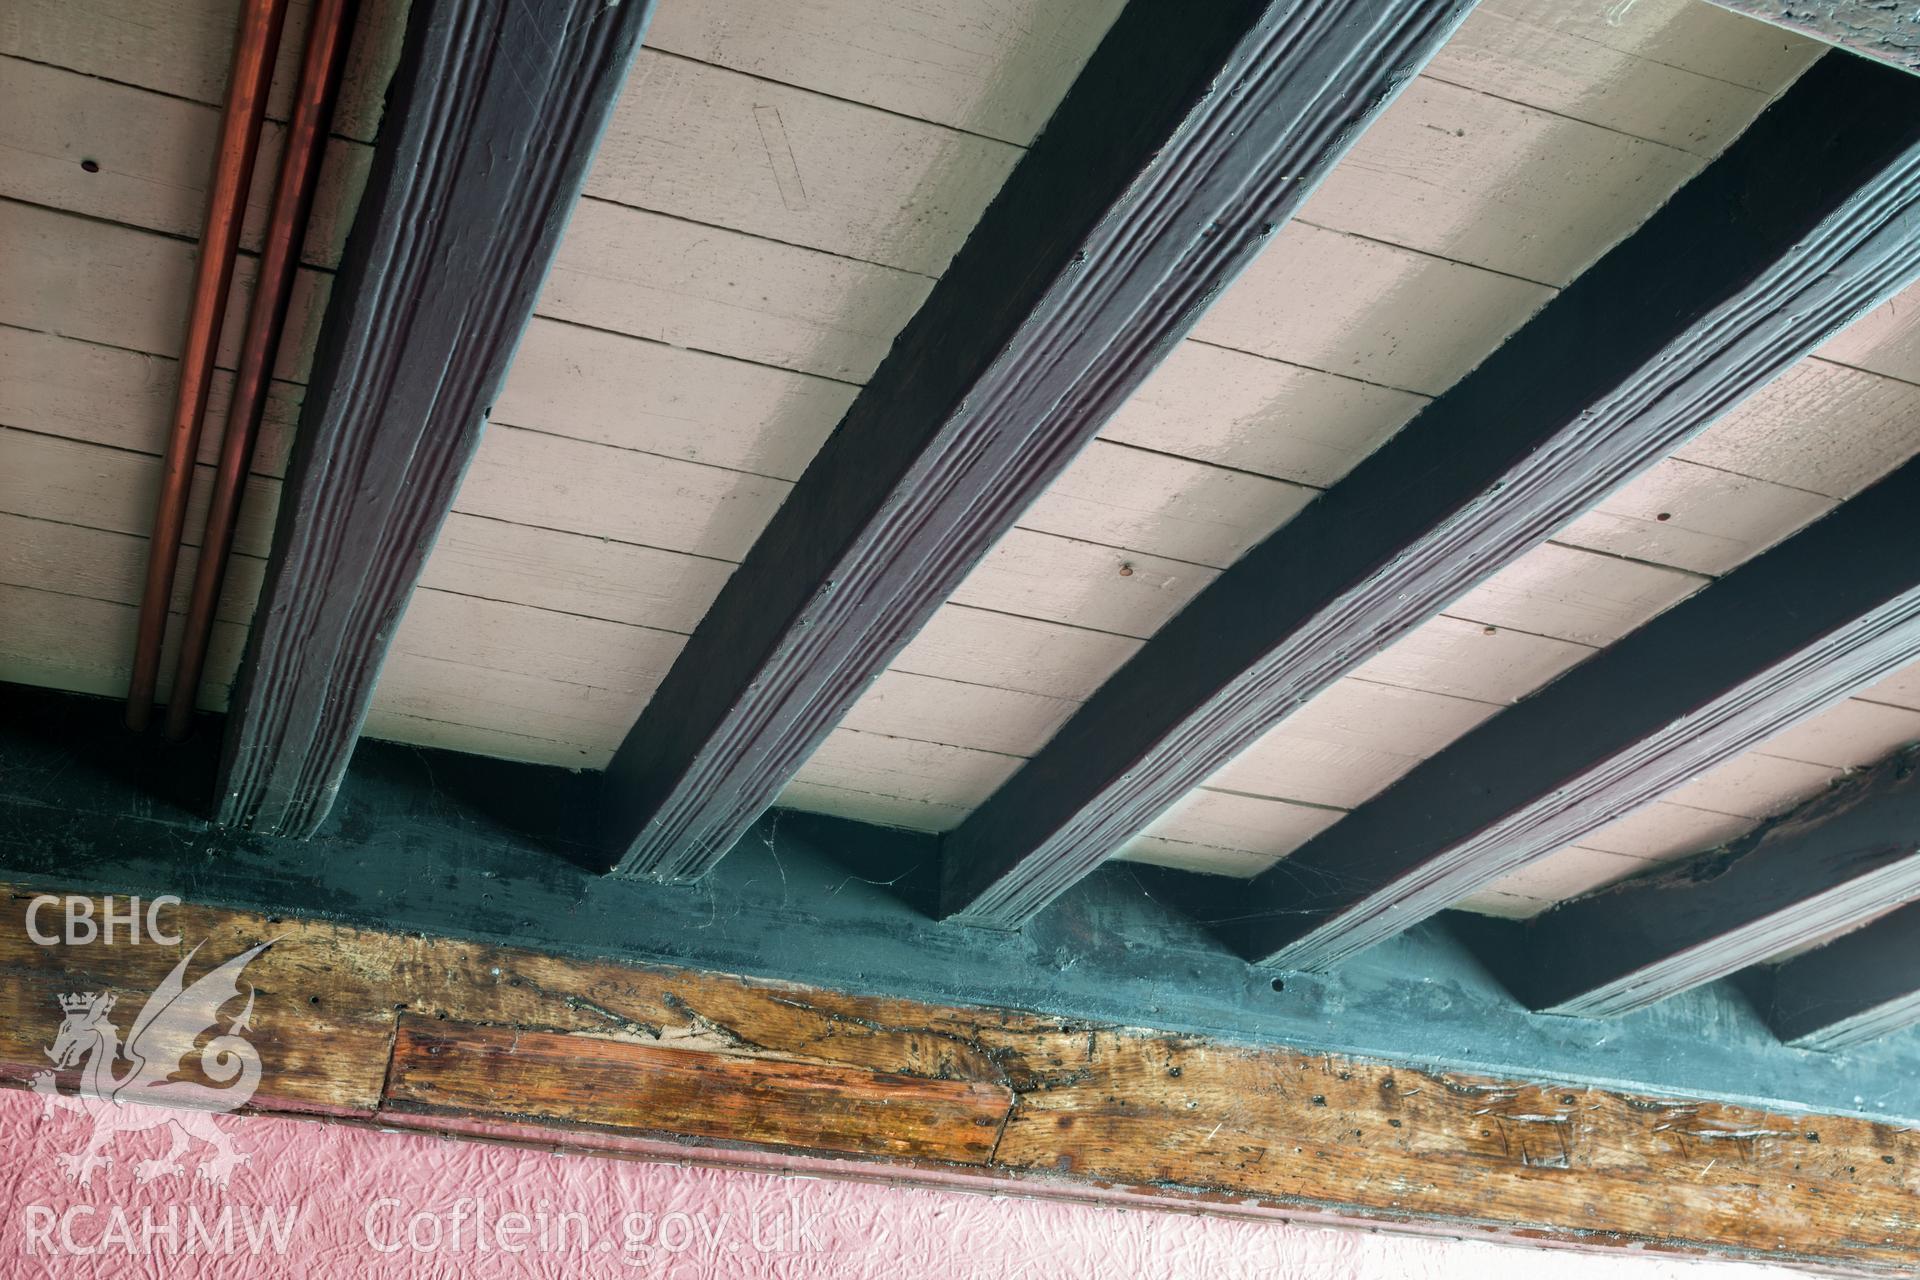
pixel 1873 28
pixel 1675 325
pixel 1843 858
pixel 1193 133
pixel 1860 986
pixel 442 844
pixel 1828 611
pixel 493 115
pixel 465 1037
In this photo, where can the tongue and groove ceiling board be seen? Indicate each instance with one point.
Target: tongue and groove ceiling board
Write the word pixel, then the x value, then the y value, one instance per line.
pixel 99 263
pixel 780 189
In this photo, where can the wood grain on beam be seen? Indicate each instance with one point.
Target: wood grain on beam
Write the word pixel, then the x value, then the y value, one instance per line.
pixel 1861 985
pixel 495 111
pixel 1685 318
pixel 1878 29
pixel 1150 188
pixel 1843 858
pixel 463 1037
pixel 514 1074
pixel 1825 613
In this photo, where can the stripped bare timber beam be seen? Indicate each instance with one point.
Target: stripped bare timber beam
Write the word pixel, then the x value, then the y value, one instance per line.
pixel 493 116
pixel 1684 319
pixel 1840 859
pixel 467 1038
pixel 1194 132
pixel 1861 985
pixel 1888 30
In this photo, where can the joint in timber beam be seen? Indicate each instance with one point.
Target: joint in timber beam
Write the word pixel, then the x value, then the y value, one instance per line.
pixel 1192 135
pixel 1671 328
pixel 1842 858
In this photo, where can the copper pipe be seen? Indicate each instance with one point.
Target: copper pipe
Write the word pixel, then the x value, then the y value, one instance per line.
pixel 253 57
pixel 300 162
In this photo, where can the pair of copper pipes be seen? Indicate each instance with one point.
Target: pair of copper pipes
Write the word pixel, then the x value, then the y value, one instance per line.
pixel 255 53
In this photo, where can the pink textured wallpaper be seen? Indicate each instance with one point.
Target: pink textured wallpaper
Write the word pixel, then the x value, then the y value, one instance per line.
pixel 326 1200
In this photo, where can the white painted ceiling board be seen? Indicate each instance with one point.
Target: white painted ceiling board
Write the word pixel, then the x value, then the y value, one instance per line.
pixel 1482 180
pixel 1005 651
pixel 185 48
pixel 1163 504
pixel 574 573
pixel 575 722
pixel 939 782
pixel 717 147
pixel 1473 660
pixel 870 806
pixel 1256 414
pixel 607 388
pixel 899 704
pixel 997 70
pixel 1664 830
pixel 1848 735
pixel 640 273
pixel 422 731
pixel 1568 874
pixel 640 498
pixel 1576 595
pixel 1688 516
pixel 71 642
pixel 1345 754
pixel 152 154
pixel 1082 584
pixel 47 555
pixel 1503 906
pixel 1674 71
pixel 125 287
pixel 1207 823
pixel 1366 310
pixel 1819 426
pixel 51 478
pixel 1901 689
pixel 497 636
pixel 1886 340
pixel 1756 785
pixel 1186 855
pixel 123 399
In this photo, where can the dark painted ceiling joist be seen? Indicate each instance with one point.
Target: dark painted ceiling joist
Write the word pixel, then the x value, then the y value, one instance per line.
pixel 1860 986
pixel 1829 610
pixel 1808 219
pixel 1878 29
pixel 491 122
pixel 1193 133
pixel 1841 859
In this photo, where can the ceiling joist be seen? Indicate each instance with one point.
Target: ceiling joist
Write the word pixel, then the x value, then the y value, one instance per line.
pixel 1843 858
pixel 1828 611
pixel 1666 332
pixel 1858 987
pixel 1190 137
pixel 482 156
